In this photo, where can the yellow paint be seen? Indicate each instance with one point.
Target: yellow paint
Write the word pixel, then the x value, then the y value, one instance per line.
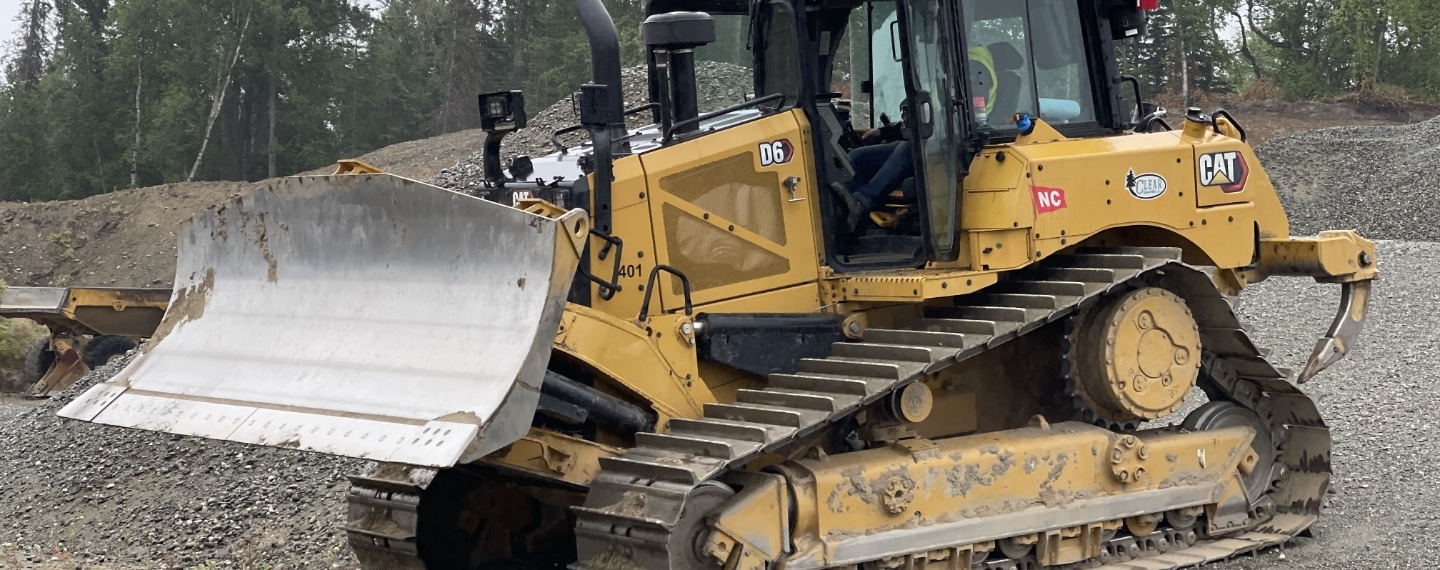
pixel 654 361
pixel 554 455
pixel 632 224
pixel 897 487
pixel 1333 256
pixel 732 255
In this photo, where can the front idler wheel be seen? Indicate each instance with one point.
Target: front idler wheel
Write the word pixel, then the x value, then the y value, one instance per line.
pixel 1222 414
pixel 687 543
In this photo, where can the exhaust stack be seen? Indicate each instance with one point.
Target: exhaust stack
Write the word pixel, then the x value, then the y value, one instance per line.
pixel 672 39
pixel 604 61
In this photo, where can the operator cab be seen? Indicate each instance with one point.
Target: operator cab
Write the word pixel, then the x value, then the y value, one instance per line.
pixel 938 79
pixel 1041 58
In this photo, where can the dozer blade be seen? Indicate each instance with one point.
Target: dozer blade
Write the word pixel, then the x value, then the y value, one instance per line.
pixel 364 315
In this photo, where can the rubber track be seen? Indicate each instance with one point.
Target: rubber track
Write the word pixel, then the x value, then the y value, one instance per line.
pixel 637 498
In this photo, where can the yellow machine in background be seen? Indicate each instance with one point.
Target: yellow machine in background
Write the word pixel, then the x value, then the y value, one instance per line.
pixel 89 327
pixel 669 348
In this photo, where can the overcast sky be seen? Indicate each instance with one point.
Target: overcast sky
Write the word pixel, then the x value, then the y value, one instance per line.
pixel 8 10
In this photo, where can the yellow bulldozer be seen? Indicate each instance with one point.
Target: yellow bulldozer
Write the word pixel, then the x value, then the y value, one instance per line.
pixel 997 331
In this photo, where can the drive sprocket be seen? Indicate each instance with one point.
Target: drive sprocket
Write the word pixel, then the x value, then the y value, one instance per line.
pixel 1135 356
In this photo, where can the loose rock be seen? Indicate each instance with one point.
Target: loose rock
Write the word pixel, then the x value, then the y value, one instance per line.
pixel 1381 181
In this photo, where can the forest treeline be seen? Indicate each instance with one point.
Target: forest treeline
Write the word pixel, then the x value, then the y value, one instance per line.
pixel 99 95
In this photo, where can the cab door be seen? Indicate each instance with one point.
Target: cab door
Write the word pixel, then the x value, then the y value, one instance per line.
pixel 929 48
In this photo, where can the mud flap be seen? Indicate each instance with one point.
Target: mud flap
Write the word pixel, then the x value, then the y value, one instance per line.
pixel 366 315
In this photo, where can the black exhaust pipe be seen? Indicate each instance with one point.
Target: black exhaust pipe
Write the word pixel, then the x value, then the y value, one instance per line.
pixel 672 38
pixel 604 58
pixel 602 105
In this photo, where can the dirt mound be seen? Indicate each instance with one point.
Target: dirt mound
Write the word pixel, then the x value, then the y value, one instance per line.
pixel 124 238
pixel 1265 120
pixel 1378 180
pixel 127 238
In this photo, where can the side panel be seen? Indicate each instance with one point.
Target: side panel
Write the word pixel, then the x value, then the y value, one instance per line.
pixel 634 227
pixel 724 212
pixel 1077 188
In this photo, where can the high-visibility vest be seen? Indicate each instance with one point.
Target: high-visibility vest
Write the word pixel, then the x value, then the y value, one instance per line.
pixel 982 55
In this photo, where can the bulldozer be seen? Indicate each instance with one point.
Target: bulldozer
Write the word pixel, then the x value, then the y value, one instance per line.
pixel 678 347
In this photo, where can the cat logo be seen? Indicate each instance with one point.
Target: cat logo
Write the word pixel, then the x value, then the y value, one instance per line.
pixel 777 152
pixel 1224 169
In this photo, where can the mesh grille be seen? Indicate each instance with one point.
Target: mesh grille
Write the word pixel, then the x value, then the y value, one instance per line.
pixel 711 256
pixel 732 189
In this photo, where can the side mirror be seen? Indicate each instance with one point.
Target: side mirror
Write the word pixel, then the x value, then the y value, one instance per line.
pixel 1127 21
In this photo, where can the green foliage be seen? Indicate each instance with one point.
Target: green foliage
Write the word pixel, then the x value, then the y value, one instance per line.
pixel 1308 49
pixel 128 85
pixel 16 336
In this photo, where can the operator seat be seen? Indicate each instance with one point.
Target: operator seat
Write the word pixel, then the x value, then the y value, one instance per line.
pixel 1008 62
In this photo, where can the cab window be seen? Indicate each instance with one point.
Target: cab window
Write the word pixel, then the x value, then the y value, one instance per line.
pixel 873 75
pixel 779 53
pixel 1028 56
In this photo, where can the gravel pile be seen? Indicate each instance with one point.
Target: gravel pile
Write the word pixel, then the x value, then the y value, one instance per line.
pixel 720 85
pixel 108 496
pixel 1381 181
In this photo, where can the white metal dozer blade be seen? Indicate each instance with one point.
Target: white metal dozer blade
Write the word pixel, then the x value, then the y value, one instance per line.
pixel 369 315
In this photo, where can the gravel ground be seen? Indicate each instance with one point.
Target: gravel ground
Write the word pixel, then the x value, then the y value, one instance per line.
pixel 97 496
pixel 77 495
pixel 1379 403
pixel 1379 180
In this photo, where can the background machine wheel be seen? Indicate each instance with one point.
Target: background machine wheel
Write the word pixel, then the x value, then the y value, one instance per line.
pixel 103 349
pixel 38 360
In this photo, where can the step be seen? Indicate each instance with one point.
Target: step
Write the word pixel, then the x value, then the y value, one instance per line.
pixel 649 470
pixel 1056 288
pixel 916 338
pixel 1100 260
pixel 1157 253
pixel 876 351
pixel 707 447
pixel 703 428
pixel 860 370
pixel 786 400
pixel 846 386
pixel 1018 300
pixel 962 326
pixel 754 413
pixel 841 401
pixel 983 313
